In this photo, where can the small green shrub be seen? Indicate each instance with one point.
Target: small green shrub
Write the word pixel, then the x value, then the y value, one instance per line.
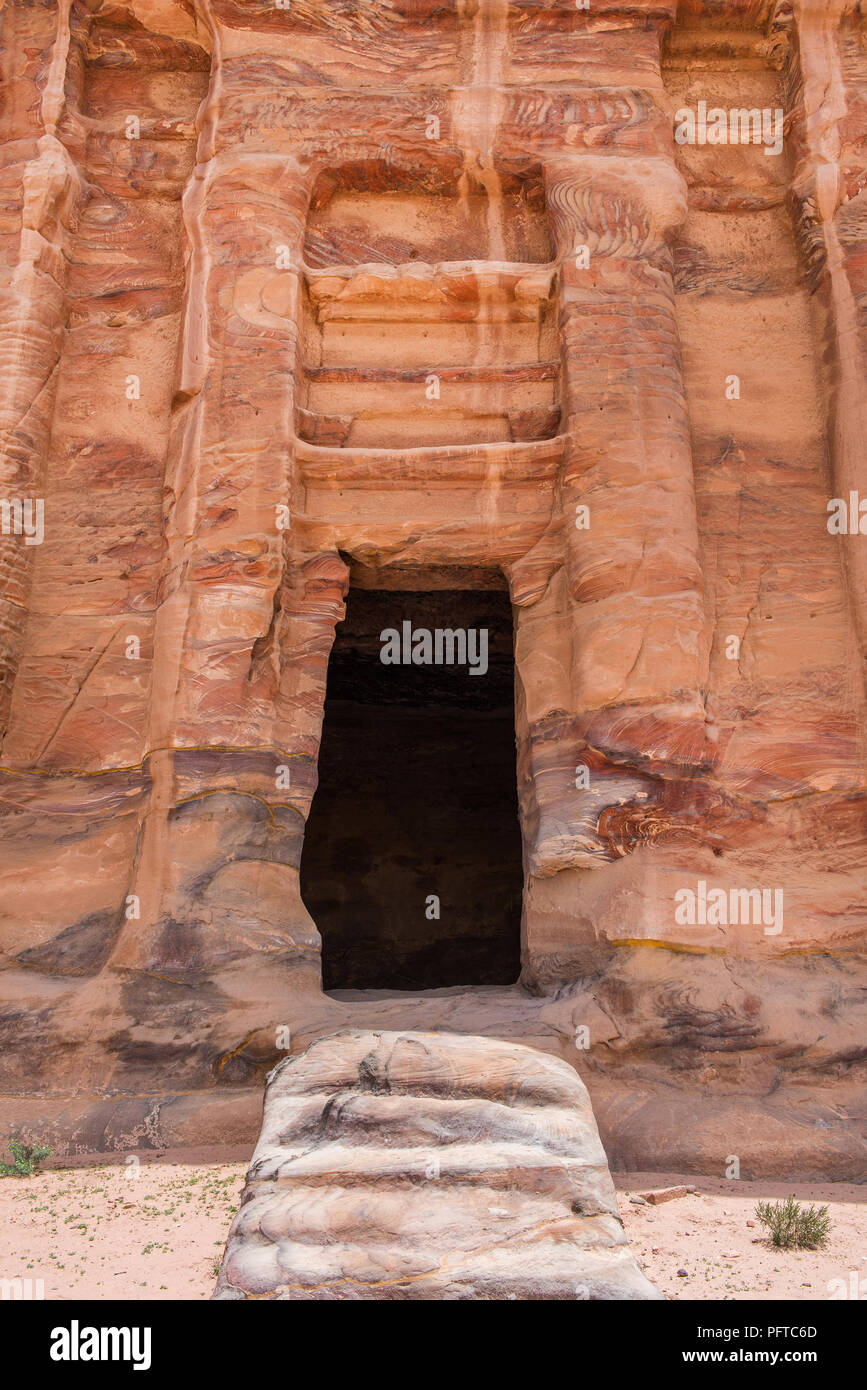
pixel 25 1159
pixel 793 1227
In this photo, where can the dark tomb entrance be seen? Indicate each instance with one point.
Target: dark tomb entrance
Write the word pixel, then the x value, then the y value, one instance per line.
pixel 412 865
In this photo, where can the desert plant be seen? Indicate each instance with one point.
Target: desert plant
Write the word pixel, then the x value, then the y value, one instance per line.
pixel 793 1227
pixel 25 1159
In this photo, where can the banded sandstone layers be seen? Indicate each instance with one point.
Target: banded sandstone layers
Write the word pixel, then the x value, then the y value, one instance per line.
pixel 422 1166
pixel 219 323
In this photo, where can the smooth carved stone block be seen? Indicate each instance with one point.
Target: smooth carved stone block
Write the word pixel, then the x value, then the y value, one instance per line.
pixel 428 1166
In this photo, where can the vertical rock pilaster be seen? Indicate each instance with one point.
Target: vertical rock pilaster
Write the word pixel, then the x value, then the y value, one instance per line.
pixel 216 874
pixel 42 191
pixel 633 581
pixel 640 646
pixel 829 188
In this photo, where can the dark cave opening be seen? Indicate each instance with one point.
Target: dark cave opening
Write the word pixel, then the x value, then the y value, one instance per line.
pixel 412 862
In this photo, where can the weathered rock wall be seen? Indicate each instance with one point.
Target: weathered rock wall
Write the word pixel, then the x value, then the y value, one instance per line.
pixel 238 242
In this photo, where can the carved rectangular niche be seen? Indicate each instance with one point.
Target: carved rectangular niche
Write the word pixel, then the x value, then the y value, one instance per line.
pixel 429 317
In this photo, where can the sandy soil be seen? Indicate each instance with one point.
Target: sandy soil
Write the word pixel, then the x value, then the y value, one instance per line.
pixel 155 1229
pixel 713 1235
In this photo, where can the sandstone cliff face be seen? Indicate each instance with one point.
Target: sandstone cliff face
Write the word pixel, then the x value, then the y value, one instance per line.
pixel 410 295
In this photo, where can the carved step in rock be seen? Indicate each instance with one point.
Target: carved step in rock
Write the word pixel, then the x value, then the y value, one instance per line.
pixel 428 1166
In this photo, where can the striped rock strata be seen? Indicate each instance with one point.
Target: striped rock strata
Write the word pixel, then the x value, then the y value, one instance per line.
pixel 428 1166
pixel 236 243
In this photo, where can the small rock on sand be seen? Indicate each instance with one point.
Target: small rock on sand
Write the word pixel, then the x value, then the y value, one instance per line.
pixel 664 1194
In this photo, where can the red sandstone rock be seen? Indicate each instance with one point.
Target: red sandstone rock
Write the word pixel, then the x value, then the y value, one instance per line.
pixel 238 311
pixel 664 1194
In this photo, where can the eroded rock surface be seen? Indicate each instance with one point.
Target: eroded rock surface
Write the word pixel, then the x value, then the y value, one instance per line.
pixel 428 1166
pixel 392 294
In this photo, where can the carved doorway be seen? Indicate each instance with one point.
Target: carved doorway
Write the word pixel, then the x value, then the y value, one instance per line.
pixel 412 862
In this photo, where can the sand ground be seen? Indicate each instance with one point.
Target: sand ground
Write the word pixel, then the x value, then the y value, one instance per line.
pixel 713 1235
pixel 154 1228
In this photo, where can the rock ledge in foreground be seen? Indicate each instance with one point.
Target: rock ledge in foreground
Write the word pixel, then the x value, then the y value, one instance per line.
pixel 402 1165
